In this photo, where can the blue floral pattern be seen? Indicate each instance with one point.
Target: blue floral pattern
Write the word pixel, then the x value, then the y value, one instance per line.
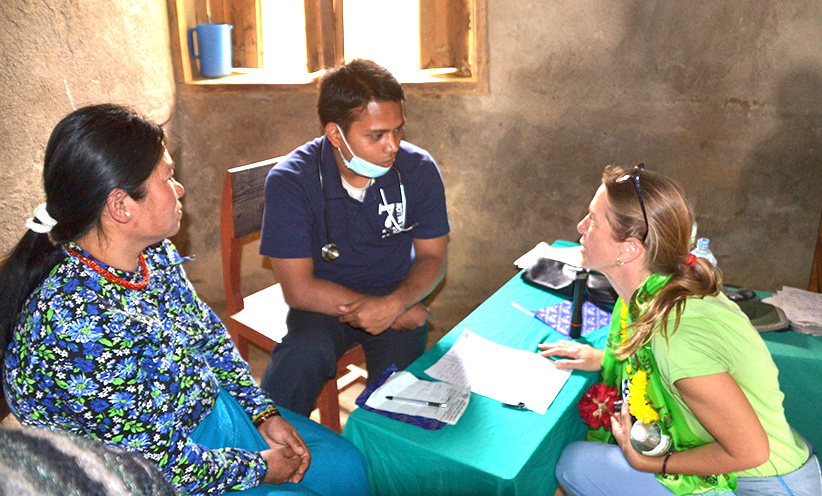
pixel 137 369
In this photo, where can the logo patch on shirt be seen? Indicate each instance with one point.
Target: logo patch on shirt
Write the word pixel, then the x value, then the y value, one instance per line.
pixel 394 211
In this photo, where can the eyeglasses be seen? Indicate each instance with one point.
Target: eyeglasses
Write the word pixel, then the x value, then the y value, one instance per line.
pixel 634 178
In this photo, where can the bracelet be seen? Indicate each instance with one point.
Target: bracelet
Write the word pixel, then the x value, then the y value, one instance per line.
pixel 664 472
pixel 265 415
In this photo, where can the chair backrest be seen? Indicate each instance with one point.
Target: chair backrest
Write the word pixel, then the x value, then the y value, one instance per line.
pixel 241 215
pixel 816 269
pixel 263 322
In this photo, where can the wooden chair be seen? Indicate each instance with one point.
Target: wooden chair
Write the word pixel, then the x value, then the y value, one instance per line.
pixel 4 407
pixel 259 318
pixel 816 269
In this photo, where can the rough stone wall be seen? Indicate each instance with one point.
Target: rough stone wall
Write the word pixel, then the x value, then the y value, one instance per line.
pixel 58 55
pixel 726 98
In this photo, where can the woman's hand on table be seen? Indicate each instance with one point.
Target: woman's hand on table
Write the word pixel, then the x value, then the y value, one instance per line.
pixel 578 356
pixel 288 459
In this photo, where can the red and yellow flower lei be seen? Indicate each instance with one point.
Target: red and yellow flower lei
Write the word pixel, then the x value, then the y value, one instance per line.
pixel 597 404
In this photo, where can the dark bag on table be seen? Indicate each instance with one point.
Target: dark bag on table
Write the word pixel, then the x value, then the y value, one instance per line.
pixel 763 316
pixel 558 277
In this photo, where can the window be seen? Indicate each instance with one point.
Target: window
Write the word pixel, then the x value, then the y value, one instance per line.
pixel 438 44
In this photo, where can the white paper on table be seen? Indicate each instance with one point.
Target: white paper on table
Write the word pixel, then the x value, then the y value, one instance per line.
pixel 500 372
pixel 570 255
pixel 802 308
pixel 406 385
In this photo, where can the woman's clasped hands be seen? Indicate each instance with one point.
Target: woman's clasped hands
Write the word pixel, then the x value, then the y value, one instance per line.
pixel 287 457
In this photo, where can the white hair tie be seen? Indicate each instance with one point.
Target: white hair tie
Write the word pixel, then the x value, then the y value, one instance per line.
pixel 44 221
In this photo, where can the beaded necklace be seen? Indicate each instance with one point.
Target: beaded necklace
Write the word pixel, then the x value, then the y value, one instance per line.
pixel 111 277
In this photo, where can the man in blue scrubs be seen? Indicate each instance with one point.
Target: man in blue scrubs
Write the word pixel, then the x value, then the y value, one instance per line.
pixel 356 227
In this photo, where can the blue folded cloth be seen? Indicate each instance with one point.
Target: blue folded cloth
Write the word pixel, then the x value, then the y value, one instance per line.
pixel 558 317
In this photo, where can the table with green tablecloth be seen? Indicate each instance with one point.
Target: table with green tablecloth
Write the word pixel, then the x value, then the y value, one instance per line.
pixel 799 360
pixel 494 450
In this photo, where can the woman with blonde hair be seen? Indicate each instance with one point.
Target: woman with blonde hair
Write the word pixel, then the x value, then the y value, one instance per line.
pixel 703 411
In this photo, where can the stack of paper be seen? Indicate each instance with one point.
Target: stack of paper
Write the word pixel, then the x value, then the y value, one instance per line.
pixel 803 309
pixel 404 393
pixel 509 375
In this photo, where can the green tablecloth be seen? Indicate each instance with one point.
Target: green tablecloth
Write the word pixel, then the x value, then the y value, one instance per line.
pixel 492 450
pixel 495 450
pixel 799 360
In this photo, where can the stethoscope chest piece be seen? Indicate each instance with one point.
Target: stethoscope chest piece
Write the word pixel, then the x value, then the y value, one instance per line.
pixel 330 252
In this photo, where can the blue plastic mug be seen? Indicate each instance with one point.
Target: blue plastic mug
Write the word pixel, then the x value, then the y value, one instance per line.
pixel 214 47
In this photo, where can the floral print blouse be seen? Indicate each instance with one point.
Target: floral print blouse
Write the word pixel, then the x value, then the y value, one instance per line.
pixel 137 369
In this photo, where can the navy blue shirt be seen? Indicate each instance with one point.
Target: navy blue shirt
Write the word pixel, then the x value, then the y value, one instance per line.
pixel 294 220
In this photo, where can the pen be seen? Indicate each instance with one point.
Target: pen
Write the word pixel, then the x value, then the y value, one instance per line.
pixel 418 402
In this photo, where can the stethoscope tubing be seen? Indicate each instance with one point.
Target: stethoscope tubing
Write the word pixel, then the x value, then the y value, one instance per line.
pixel 330 251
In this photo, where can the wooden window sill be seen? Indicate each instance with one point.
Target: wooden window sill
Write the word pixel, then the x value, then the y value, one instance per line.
pixel 245 80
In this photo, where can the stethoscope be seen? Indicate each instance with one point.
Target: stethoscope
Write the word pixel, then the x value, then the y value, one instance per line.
pixel 330 251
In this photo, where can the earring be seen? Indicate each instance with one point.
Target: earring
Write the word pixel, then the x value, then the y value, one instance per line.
pixel 128 214
pixel 619 262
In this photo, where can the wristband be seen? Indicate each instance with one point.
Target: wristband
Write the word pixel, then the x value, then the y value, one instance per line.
pixel 664 472
pixel 265 415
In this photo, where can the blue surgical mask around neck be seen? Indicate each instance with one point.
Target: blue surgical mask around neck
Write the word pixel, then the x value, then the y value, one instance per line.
pixel 359 166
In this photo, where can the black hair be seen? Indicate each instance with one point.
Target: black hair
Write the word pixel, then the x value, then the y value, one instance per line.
pixel 351 87
pixel 91 152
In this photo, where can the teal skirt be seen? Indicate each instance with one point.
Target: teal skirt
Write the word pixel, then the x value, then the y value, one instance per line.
pixel 337 467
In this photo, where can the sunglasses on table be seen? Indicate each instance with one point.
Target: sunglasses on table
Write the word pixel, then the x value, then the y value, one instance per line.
pixel 634 178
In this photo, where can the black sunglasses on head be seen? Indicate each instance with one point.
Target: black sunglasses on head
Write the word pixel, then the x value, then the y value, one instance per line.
pixel 634 178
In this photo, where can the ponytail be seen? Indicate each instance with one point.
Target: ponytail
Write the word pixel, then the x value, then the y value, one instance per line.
pixel 703 279
pixel 22 271
pixel 667 244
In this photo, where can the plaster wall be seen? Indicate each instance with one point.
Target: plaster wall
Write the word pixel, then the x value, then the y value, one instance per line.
pixel 58 55
pixel 724 97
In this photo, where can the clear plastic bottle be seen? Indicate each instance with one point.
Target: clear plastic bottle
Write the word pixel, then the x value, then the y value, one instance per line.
pixel 703 250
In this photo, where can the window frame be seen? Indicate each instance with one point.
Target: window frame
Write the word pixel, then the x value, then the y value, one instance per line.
pixel 244 15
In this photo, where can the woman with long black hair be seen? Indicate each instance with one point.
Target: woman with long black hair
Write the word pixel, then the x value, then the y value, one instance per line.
pixel 103 335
